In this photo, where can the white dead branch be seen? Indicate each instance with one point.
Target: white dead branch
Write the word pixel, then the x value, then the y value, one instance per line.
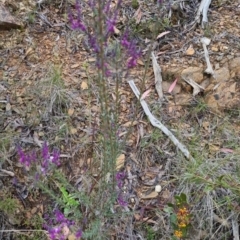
pixel 158 76
pixel 235 226
pixel 156 123
pixel 205 42
pixel 196 87
pixel 202 10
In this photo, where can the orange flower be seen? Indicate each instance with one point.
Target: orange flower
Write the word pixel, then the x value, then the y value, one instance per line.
pixel 178 234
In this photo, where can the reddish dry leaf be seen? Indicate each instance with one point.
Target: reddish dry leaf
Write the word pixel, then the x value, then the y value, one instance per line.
pixel 226 150
pixel 172 85
pixel 145 94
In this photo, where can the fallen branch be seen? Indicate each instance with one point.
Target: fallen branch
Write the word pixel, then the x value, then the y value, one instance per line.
pixel 205 42
pixel 235 226
pixel 156 123
pixel 202 10
pixel 158 76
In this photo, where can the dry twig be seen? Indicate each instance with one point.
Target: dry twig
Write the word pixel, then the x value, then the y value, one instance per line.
pixel 158 76
pixel 156 123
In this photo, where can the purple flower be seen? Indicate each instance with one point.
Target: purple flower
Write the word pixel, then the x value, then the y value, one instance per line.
pixel 125 42
pixel 131 50
pixel 121 202
pixel 60 218
pixel 92 3
pixel 55 158
pixel 77 23
pixel 110 25
pixel 22 155
pixel 93 44
pixel 132 62
pixel 54 233
pixel 119 178
pixel 107 7
pixel 45 151
pixel 26 159
pixel 78 234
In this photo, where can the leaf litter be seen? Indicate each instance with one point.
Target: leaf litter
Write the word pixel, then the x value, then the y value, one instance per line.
pixel 34 109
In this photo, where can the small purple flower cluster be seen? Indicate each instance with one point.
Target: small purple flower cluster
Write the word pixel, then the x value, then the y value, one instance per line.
pixel 120 176
pixel 28 159
pixel 109 21
pixel 131 48
pixel 59 227
pixel 49 159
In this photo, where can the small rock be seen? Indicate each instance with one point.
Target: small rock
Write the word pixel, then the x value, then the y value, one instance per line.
pixel 7 21
pixel 234 64
pixel 194 73
pixel 222 74
pixel 217 66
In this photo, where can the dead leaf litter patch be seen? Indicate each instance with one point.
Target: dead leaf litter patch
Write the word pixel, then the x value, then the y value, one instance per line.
pixel 47 92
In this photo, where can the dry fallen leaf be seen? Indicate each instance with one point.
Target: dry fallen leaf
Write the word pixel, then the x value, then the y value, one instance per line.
pixel 145 94
pixel 84 85
pixel 73 130
pixel 120 162
pixel 130 123
pixel 75 65
pixel 162 34
pixel 150 195
pixel 213 148
pixel 226 150
pixel 116 31
pixel 158 76
pixel 71 237
pixel 190 51
pixel 70 111
pixel 140 62
pixel 138 15
pixel 172 86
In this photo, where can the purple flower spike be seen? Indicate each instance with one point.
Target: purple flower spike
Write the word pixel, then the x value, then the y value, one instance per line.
pixel 22 155
pixel 78 234
pixel 121 202
pixel 54 233
pixel 119 178
pixel 45 151
pixel 110 25
pixel 60 218
pixel 55 157
pixel 92 3
pixel 131 49
pixel 77 24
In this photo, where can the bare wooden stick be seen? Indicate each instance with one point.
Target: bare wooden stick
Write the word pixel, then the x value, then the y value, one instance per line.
pixel 202 10
pixel 205 42
pixel 156 123
pixel 158 76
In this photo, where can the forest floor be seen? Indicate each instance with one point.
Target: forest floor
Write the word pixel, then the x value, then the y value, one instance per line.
pixel 48 93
